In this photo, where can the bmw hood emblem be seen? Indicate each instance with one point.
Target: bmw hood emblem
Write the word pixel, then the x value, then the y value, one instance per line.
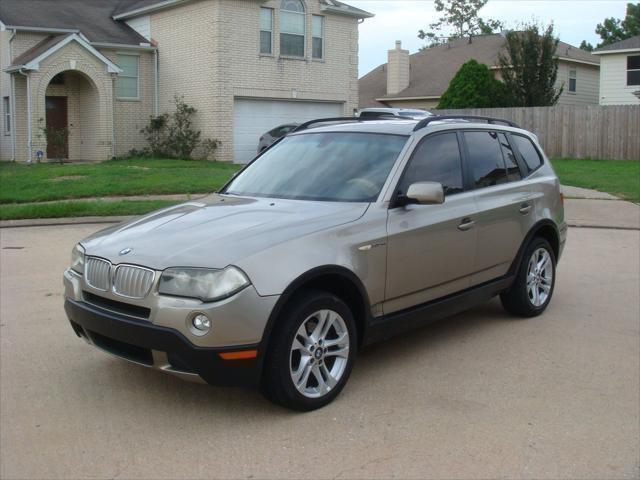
pixel 126 251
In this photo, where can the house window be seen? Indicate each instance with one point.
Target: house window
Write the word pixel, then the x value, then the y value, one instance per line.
pixel 318 36
pixel 573 79
pixel 6 108
pixel 292 28
pixel 127 82
pixel 266 30
pixel 633 70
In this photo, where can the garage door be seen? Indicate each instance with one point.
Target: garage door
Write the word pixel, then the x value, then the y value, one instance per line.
pixel 252 118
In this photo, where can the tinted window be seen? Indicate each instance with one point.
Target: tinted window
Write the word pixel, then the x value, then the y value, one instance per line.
pixel 485 159
pixel 436 159
pixel 374 114
pixel 513 171
pixel 336 167
pixel 528 151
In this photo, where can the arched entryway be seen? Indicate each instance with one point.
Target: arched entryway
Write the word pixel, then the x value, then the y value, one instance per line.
pixel 72 117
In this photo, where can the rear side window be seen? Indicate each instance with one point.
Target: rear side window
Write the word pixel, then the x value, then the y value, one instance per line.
pixel 436 159
pixel 528 151
pixel 485 159
pixel 513 171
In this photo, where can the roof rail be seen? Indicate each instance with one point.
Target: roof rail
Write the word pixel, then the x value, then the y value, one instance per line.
pixel 306 125
pixel 436 118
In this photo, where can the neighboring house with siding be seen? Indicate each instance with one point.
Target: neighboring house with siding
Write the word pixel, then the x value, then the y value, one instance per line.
pixel 620 72
pixel 103 68
pixel 419 80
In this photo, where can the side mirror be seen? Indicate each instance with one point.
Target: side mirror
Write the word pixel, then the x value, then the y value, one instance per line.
pixel 425 193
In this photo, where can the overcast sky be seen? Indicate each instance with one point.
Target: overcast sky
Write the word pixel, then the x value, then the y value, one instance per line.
pixel 401 19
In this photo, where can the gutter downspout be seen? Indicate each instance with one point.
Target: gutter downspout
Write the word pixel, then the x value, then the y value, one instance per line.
pixel 29 114
pixel 12 102
pixel 156 73
pixel 113 113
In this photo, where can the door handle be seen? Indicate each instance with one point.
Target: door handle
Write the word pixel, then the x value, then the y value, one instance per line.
pixel 466 224
pixel 525 208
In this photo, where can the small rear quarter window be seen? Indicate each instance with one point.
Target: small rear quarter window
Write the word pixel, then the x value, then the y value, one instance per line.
pixel 529 152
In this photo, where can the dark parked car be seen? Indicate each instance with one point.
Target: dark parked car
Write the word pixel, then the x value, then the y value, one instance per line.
pixel 272 135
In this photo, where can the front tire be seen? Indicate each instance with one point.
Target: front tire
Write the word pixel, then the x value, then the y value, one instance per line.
pixel 312 352
pixel 533 288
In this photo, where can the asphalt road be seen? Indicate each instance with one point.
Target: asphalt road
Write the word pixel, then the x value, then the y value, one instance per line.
pixel 478 396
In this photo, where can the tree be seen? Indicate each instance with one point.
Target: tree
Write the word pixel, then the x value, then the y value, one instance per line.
pixel 529 66
pixel 475 87
pixel 462 17
pixel 613 30
pixel 586 46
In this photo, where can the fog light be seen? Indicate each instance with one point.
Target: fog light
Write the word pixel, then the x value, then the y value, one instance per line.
pixel 201 324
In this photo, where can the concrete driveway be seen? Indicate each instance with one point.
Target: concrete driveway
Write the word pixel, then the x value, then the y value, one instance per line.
pixel 481 395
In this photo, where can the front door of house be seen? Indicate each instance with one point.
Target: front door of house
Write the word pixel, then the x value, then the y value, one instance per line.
pixel 57 133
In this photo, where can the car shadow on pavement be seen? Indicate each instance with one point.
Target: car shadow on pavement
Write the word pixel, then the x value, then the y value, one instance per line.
pixel 164 393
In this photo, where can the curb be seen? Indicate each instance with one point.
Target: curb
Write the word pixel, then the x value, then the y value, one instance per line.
pixel 52 222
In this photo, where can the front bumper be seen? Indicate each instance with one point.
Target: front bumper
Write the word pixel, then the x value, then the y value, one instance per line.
pixel 159 347
pixel 154 331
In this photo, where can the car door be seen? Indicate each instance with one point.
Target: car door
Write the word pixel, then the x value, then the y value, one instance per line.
pixel 504 202
pixel 431 248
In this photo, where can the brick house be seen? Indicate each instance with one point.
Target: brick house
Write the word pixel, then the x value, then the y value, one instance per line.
pixel 419 80
pixel 103 68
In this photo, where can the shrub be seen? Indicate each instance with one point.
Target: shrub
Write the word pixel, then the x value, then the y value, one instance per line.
pixel 173 135
pixel 474 87
pixel 155 134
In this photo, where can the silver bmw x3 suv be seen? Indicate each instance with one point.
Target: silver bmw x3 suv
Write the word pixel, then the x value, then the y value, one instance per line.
pixel 342 233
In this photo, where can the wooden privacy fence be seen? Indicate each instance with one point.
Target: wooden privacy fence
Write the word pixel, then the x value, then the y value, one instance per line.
pixel 593 131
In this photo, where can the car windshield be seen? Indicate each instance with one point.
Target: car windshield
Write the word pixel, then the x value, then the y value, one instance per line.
pixel 334 167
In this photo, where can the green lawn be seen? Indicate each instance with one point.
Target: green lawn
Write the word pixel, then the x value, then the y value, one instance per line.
pixel 20 183
pixel 618 177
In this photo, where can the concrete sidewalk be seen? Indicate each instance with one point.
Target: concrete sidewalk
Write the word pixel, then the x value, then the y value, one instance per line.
pixel 583 208
pixel 602 214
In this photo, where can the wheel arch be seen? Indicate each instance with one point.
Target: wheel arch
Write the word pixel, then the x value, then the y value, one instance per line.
pixel 334 279
pixel 546 229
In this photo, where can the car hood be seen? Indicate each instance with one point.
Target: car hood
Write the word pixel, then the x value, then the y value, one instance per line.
pixel 216 231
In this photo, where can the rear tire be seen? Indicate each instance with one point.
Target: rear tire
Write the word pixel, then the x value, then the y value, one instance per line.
pixel 533 287
pixel 311 353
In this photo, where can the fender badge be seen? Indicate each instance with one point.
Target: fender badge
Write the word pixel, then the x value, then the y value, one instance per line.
pixel 126 251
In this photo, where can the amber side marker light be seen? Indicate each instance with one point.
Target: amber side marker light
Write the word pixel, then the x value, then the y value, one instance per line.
pixel 241 355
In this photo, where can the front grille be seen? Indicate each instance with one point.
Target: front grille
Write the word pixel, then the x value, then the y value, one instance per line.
pixel 98 273
pixel 133 282
pixel 117 307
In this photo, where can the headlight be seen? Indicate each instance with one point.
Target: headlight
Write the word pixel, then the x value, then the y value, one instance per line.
pixel 77 259
pixel 205 284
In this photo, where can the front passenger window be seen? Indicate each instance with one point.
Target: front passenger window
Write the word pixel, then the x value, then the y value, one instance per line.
pixel 436 159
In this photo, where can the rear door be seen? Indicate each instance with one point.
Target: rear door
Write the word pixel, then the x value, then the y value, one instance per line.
pixel 504 202
pixel 431 248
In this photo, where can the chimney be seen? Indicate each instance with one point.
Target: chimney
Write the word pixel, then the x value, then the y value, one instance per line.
pixel 398 70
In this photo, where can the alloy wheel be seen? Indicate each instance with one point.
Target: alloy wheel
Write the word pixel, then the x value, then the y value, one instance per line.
pixel 319 353
pixel 539 277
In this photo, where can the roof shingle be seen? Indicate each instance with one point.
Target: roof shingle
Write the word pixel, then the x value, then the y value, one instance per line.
pixel 629 43
pixel 91 17
pixel 433 69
